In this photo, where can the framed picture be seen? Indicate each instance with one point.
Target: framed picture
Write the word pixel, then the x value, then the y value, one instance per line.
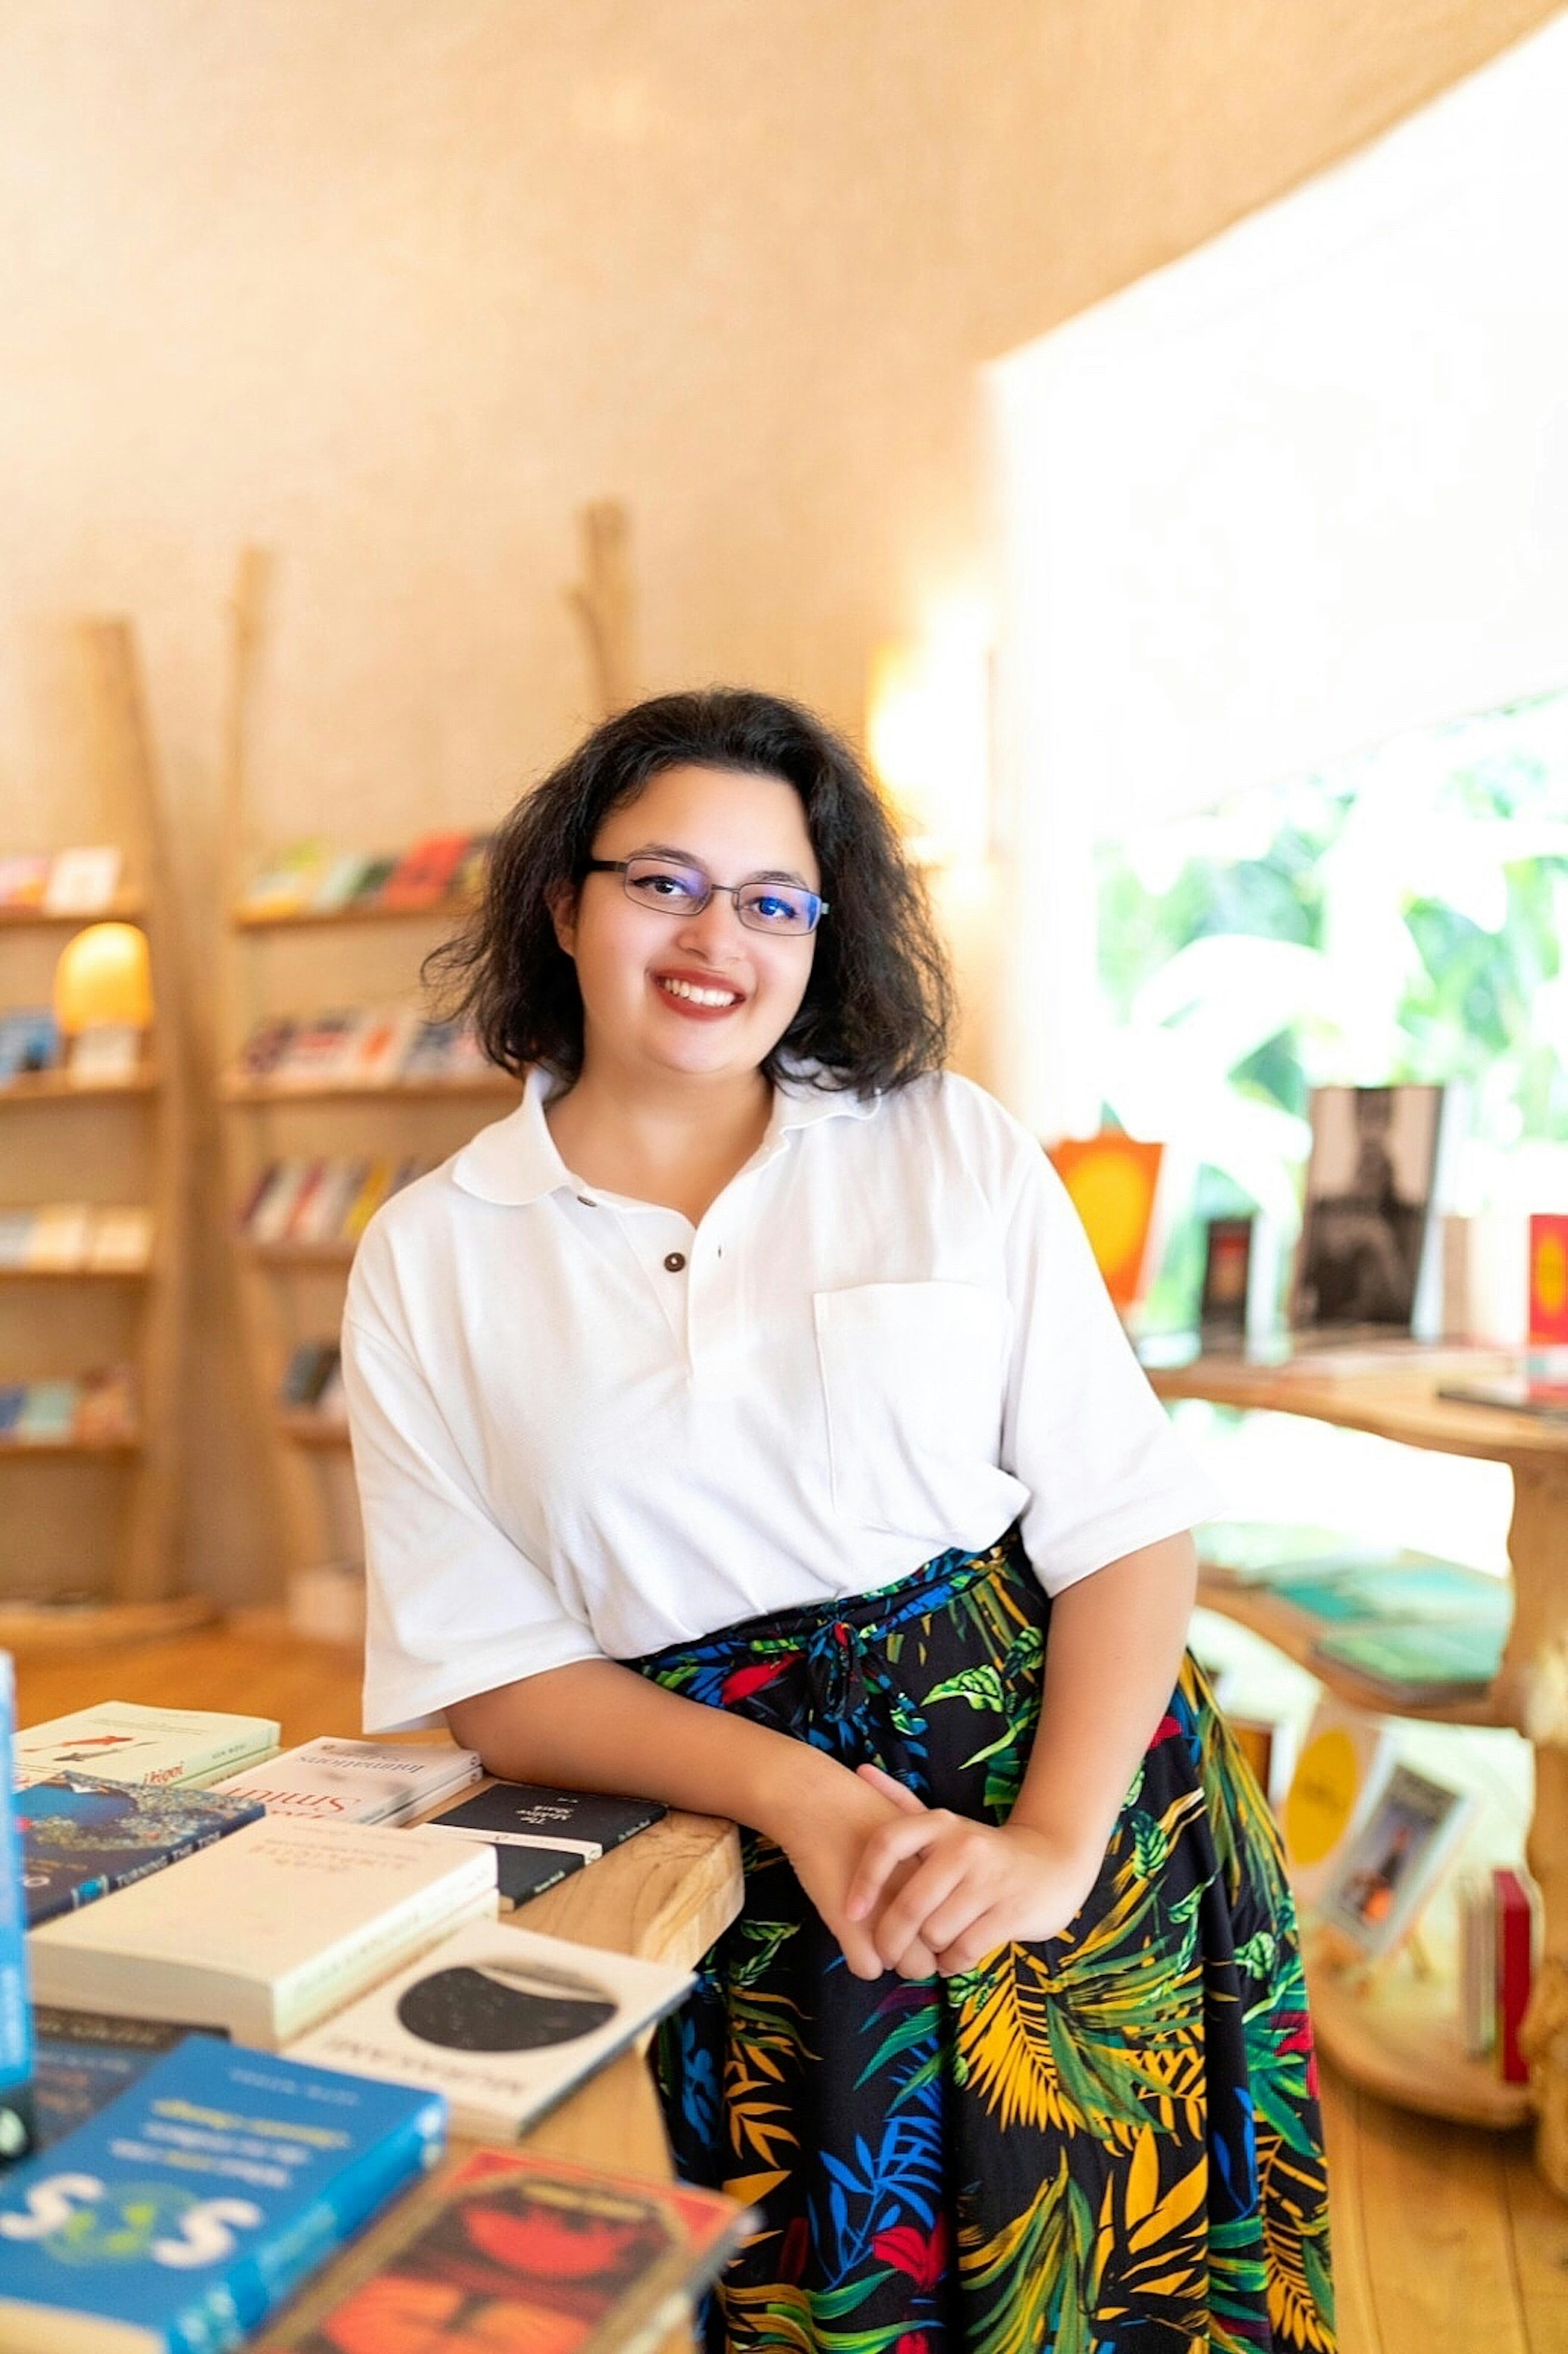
pixel 1370 1254
pixel 1394 1861
pixel 1111 1181
pixel 1222 1303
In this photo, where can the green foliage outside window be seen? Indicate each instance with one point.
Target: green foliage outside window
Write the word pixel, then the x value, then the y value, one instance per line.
pixel 1399 915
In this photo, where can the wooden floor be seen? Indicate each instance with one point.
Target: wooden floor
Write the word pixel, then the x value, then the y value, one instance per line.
pixel 1446 2241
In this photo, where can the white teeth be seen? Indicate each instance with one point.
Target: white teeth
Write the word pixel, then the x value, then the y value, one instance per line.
pixel 700 996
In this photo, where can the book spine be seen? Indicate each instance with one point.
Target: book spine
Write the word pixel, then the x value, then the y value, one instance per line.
pixel 1514 1965
pixel 16 2014
pixel 360 2191
pixel 327 1980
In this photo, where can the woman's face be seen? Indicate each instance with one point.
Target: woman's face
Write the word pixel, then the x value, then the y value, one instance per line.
pixel 694 995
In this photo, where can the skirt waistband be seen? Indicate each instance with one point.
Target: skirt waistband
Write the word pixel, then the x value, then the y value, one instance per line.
pixel 866 1616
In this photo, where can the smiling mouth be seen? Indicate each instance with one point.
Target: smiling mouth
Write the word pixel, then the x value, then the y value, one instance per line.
pixel 692 994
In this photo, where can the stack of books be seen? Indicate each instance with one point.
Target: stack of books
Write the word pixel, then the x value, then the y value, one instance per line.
pixel 439 871
pixel 74 1238
pixel 1415 1628
pixel 365 1046
pixel 64 883
pixel 320 1202
pixel 313 1382
pixel 97 1409
pixel 1502 1928
pixel 329 1780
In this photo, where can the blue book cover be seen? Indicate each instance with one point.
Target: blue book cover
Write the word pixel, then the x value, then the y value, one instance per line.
pixel 82 1839
pixel 180 2216
pixel 16 2016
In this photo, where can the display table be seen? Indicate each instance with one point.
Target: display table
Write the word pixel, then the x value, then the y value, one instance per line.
pixel 1386 2041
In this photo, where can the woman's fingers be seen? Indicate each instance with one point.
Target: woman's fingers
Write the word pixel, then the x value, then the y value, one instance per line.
pixel 899 1794
pixel 905 1917
pixel 892 1844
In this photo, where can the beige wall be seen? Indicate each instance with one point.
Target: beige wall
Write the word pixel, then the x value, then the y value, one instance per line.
pixel 393 285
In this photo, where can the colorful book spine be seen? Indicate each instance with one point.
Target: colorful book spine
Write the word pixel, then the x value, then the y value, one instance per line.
pixel 15 2013
pixel 1516 1908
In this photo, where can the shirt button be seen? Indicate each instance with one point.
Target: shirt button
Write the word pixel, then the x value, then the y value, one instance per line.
pixel 585 1203
pixel 675 1261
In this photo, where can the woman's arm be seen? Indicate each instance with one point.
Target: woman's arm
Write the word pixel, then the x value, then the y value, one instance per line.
pixel 1111 1663
pixel 595 1725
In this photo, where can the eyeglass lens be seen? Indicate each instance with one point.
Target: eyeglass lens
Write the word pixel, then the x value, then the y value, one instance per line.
pixel 681 890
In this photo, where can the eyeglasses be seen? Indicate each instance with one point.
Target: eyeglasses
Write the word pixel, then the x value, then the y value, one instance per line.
pixel 677 890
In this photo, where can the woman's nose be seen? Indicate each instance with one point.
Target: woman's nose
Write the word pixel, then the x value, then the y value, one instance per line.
pixel 713 927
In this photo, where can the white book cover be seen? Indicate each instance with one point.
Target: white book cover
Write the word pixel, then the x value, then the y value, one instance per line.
pixel 122 1237
pixel 334 1780
pixel 502 2021
pixel 268 1931
pixel 270 1219
pixel 1345 1758
pixel 122 1741
pixel 82 882
pixel 59 1235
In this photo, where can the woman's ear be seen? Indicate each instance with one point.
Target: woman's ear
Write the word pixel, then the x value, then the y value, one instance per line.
pixel 562 903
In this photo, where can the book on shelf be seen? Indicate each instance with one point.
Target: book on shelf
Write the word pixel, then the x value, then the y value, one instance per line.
pixel 373 876
pixel 1344 1760
pixel 47 1416
pixel 308 1376
pixel 1391 1863
pixel 535 2254
pixel 16 1236
pixel 121 1238
pixel 82 882
pixel 380 1044
pixel 207 2193
pixel 82 2059
pixel 268 1213
pixel 424 875
pixel 335 1780
pixel 100 1405
pixel 266 1046
pixel 1534 1382
pixel 106 1404
pixel 533 1827
pixel 16 2059
pixel 1546 1314
pixel 83 1839
pixel 358 1046
pixel 59 1237
pixel 342 878
pixel 1269 1555
pixel 270 1930
pixel 129 1742
pixel 1417 1663
pixel 30 1043
pixel 320 1052
pixel 1417 1588
pixel 502 2021
pixel 1370 1250
pixel 322 1201
pixel 12 1394
pixel 1519 1935
pixel 24 878
pixel 289 880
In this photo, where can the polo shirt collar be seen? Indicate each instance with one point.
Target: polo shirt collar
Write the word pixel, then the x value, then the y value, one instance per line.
pixel 515 1162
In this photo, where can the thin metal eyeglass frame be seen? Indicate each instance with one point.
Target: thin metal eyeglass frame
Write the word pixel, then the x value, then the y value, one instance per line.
pixel 621 865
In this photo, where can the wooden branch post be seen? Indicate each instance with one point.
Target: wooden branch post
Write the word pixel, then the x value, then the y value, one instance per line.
pixel 603 601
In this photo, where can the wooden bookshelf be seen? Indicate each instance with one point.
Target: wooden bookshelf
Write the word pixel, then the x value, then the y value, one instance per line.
pixel 299 1255
pixel 1294 1631
pixel 125 907
pixel 480 1087
pixel 1392 2030
pixel 142 1577
pixel 303 1428
pixel 62 1086
pixel 442 911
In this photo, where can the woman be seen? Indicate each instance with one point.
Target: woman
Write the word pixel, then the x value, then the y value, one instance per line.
pixel 742 1423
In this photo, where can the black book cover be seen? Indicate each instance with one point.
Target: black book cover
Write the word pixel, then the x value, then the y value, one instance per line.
pixel 585 1822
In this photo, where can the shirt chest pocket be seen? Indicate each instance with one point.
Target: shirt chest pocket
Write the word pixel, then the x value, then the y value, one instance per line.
pixel 913 1376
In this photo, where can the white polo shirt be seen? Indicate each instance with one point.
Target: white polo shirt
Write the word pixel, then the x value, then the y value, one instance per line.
pixel 584 1429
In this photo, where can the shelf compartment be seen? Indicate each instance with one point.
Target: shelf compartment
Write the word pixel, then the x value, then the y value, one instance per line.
pixel 123 1443
pixel 318 1430
pixel 76 1274
pixel 124 907
pixel 338 1252
pixel 1292 1632
pixel 1396 2033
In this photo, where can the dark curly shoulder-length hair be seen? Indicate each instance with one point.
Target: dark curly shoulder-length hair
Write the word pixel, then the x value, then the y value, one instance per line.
pixel 879 1004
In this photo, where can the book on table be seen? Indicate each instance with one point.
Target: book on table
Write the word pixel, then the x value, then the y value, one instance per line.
pixel 540 1833
pixel 1370 1255
pixel 126 1741
pixel 501 2021
pixel 532 2252
pixel 1345 1758
pixel 182 2214
pixel 335 1780
pixel 16 2014
pixel 82 2059
pixel 84 1838
pixel 271 1930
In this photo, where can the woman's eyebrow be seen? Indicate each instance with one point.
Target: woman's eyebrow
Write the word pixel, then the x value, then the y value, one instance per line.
pixel 690 858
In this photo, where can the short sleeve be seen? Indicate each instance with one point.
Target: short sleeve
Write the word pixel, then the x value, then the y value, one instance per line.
pixel 1082 1429
pixel 452 1606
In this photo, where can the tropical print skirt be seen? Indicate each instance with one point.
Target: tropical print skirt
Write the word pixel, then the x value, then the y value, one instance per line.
pixel 1108 2143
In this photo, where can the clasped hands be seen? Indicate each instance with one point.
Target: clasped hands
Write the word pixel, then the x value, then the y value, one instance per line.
pixel 918 1890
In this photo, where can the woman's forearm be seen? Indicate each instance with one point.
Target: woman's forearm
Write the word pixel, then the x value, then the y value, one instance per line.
pixel 1111 1663
pixel 595 1725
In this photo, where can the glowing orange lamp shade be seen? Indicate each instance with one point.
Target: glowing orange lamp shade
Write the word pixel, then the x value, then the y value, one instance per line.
pixel 1110 1179
pixel 104 980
